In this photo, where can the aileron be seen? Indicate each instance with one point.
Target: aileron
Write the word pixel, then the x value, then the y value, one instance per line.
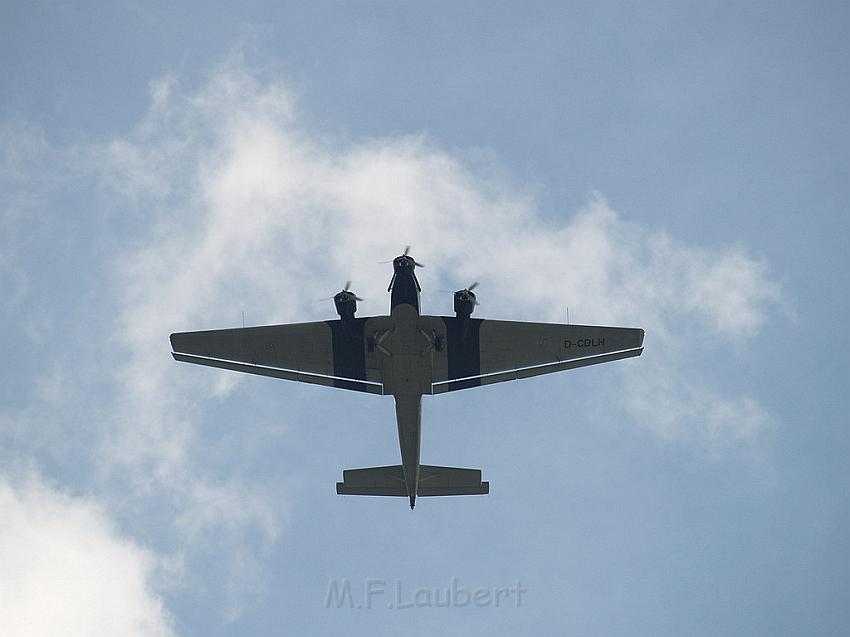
pixel 529 372
pixel 283 374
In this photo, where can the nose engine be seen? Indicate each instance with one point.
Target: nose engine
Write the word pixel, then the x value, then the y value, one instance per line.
pixel 465 302
pixel 404 264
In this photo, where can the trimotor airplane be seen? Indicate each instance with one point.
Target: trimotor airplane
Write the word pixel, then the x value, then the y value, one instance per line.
pixel 407 355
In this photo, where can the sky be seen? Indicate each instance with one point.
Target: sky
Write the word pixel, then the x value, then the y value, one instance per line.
pixel 680 167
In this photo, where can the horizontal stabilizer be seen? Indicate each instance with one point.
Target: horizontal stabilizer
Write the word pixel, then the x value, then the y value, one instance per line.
pixel 450 481
pixel 373 481
pixel 433 481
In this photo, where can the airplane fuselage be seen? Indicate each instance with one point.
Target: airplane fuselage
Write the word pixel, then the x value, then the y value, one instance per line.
pixel 409 380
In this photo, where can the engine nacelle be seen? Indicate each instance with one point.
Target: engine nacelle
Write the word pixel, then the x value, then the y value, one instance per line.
pixel 346 304
pixel 464 303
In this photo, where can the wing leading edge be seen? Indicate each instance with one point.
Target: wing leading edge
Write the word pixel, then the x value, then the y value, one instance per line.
pixel 482 352
pixel 328 353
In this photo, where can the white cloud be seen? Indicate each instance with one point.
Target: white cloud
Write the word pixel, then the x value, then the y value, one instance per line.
pixel 666 400
pixel 65 571
pixel 270 215
pixel 234 204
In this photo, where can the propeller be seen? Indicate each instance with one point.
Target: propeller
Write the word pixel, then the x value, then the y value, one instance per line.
pixel 406 254
pixel 344 291
pixel 468 289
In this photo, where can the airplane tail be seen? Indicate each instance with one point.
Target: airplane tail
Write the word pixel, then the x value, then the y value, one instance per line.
pixel 433 481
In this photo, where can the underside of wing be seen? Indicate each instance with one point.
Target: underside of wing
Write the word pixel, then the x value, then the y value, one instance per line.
pixel 329 353
pixel 482 352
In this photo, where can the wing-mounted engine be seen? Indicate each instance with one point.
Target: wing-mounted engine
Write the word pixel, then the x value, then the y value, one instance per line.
pixel 346 302
pixel 465 302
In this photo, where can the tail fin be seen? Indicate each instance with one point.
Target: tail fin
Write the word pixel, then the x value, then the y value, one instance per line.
pixel 433 481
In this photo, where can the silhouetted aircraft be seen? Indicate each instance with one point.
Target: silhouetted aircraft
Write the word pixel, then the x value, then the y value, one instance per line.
pixel 406 355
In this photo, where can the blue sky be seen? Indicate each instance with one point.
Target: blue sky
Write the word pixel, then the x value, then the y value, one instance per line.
pixel 678 168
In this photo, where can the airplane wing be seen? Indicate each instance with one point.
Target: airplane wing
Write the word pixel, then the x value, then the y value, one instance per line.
pixel 481 352
pixel 329 353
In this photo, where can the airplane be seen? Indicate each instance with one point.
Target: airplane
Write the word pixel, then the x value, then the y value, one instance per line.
pixel 407 355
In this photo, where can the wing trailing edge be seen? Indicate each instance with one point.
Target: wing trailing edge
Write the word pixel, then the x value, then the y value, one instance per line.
pixel 529 372
pixel 285 374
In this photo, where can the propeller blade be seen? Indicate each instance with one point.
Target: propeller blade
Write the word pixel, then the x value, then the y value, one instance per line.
pixel 405 254
pixel 345 289
pixel 467 289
